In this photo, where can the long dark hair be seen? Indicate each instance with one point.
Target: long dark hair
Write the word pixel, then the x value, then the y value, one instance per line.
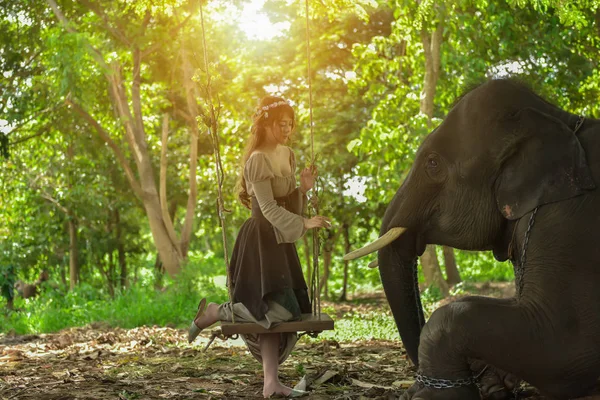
pixel 270 110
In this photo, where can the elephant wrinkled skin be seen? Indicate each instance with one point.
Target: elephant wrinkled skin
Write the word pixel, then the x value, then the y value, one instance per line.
pixel 502 153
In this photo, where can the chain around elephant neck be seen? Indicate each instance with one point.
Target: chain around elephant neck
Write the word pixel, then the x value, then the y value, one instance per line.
pixel 578 124
pixel 520 266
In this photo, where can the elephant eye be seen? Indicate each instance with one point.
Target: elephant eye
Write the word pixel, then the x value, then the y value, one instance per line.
pixel 435 167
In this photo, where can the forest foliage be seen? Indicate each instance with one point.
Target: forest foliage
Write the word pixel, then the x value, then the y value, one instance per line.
pixel 107 166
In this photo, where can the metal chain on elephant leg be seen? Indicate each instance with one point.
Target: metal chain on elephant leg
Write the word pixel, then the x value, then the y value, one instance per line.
pixel 438 383
pixel 520 267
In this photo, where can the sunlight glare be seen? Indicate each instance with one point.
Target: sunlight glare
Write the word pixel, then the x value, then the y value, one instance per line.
pixel 257 25
pixel 4 126
pixel 355 187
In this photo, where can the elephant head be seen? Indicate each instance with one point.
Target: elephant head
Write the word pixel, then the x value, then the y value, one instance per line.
pixel 501 152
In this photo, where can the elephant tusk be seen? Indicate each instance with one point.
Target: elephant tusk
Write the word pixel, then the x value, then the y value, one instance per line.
pixel 374 264
pixel 383 241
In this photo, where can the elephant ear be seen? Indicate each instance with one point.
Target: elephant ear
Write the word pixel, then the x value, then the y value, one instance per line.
pixel 544 164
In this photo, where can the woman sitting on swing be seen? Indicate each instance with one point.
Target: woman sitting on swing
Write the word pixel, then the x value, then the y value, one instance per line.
pixel 267 283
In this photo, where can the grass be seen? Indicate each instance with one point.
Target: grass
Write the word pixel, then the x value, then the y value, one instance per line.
pixel 138 305
pixel 174 306
pixel 358 326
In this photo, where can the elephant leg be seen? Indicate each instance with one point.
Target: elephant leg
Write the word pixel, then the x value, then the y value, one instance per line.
pixel 494 383
pixel 508 336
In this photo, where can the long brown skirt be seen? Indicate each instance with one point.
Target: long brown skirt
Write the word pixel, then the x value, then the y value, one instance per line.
pixel 268 286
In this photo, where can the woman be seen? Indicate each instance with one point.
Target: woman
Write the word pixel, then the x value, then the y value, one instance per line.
pixel 267 283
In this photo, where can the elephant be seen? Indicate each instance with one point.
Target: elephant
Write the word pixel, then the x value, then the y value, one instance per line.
pixel 505 171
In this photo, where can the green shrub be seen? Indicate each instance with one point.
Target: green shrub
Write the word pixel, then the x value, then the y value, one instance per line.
pixel 140 304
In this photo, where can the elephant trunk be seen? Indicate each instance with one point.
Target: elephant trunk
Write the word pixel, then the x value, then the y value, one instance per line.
pixel 399 278
pixel 398 270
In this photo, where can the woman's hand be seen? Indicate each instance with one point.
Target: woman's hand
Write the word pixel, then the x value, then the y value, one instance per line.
pixel 317 222
pixel 307 178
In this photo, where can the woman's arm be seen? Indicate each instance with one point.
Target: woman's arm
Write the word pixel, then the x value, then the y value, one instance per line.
pixel 289 226
pixel 297 202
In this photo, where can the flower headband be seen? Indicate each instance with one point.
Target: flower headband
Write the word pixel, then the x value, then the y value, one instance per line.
pixel 265 109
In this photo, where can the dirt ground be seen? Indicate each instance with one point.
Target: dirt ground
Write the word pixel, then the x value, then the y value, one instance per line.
pixel 98 362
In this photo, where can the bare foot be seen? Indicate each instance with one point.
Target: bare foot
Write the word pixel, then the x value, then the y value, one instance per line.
pixel 210 316
pixel 275 388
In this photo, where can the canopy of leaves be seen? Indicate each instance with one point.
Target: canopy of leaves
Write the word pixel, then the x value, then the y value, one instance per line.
pixel 366 74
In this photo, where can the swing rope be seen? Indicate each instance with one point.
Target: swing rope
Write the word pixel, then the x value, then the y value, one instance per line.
pixel 213 131
pixel 315 289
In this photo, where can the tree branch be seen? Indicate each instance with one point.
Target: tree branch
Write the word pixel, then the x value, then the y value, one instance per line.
pixel 55 202
pixel 107 139
pixel 33 57
pixel 183 114
pixel 39 133
pixel 145 22
pixel 173 32
pixel 102 15
pixel 36 117
pixel 164 205
pixel 192 106
pixel 124 114
pixel 67 25
pixel 135 91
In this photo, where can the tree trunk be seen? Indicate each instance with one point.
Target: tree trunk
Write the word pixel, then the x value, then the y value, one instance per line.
pixel 163 233
pixel 324 290
pixel 110 275
pixel 307 260
pixel 73 250
pixel 328 247
pixel 344 294
pixel 431 270
pixel 123 283
pixel 159 273
pixel 159 268
pixel 73 257
pixel 452 275
pixel 167 250
pixel 63 272
pixel 431 46
pixel 192 105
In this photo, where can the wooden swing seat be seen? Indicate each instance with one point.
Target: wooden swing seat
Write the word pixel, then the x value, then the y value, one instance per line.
pixel 308 323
